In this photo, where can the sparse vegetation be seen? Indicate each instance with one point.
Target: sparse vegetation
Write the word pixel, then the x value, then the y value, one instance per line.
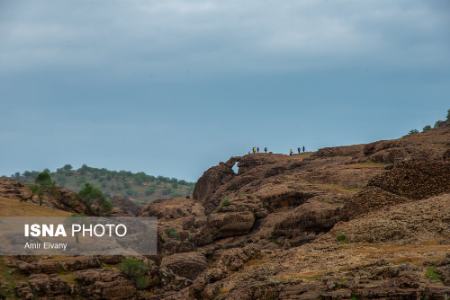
pixel 341 238
pixel 413 131
pixel 139 187
pixel 432 274
pixel 427 128
pixel 225 202
pixel 172 233
pixel 136 270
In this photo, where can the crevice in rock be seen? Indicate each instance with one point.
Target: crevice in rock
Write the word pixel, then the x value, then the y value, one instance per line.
pixel 286 200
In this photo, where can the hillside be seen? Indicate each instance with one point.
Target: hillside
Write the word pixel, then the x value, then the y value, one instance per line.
pixel 353 222
pixel 137 187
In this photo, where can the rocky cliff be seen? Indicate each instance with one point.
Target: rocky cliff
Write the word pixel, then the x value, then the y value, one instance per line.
pixel 355 222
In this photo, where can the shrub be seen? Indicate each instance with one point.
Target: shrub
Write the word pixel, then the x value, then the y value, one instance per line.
pixel 432 274
pixel 413 131
pixel 142 282
pixel 172 233
pixel 136 270
pixel 341 237
pixel 426 128
pixel 225 202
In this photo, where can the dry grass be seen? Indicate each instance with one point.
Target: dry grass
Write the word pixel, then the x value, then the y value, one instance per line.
pixel 336 188
pixel 67 277
pixel 309 264
pixel 16 208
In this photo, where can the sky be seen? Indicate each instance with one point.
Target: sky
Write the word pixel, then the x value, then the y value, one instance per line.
pixel 172 87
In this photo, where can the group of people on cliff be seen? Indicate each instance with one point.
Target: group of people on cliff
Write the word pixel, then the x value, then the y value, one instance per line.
pixel 291 152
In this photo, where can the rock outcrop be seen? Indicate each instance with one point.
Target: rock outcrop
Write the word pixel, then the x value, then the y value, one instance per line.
pixel 354 222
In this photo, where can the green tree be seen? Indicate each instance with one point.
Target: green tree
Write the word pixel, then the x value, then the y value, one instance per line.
pixel 43 184
pixel 67 167
pixel 94 199
pixel 438 124
pixel 426 128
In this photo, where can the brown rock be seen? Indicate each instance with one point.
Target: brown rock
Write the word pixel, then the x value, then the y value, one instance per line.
pixel 42 285
pixel 230 224
pixel 104 284
pixel 188 264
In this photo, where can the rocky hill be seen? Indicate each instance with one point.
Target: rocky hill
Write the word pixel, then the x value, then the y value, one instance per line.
pixel 354 222
pixel 139 188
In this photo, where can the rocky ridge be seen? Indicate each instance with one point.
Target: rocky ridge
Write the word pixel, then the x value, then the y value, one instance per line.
pixel 355 222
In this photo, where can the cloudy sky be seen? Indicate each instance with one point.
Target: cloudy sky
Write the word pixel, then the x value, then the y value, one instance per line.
pixel 171 87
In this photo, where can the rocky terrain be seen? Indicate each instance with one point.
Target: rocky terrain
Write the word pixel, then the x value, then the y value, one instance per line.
pixel 354 222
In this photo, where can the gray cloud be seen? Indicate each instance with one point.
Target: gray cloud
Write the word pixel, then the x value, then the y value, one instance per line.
pixel 206 36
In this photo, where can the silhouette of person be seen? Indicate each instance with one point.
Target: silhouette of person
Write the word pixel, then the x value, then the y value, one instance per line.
pixel 265 149
pixel 291 152
pixel 299 150
pixel 304 149
pixel 257 149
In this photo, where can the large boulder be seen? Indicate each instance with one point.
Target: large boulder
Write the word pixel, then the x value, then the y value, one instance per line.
pixel 316 216
pixel 187 264
pixel 214 177
pixel 104 284
pixel 230 224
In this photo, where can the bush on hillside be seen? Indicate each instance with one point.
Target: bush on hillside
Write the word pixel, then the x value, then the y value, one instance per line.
pixel 136 270
pixel 94 199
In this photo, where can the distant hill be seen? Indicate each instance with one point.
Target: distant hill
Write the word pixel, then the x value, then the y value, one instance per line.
pixel 138 187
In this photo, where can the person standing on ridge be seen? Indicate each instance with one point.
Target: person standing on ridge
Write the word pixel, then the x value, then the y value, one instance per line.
pixel 304 150
pixel 265 149
pixel 291 152
pixel 299 150
pixel 254 150
pixel 257 149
